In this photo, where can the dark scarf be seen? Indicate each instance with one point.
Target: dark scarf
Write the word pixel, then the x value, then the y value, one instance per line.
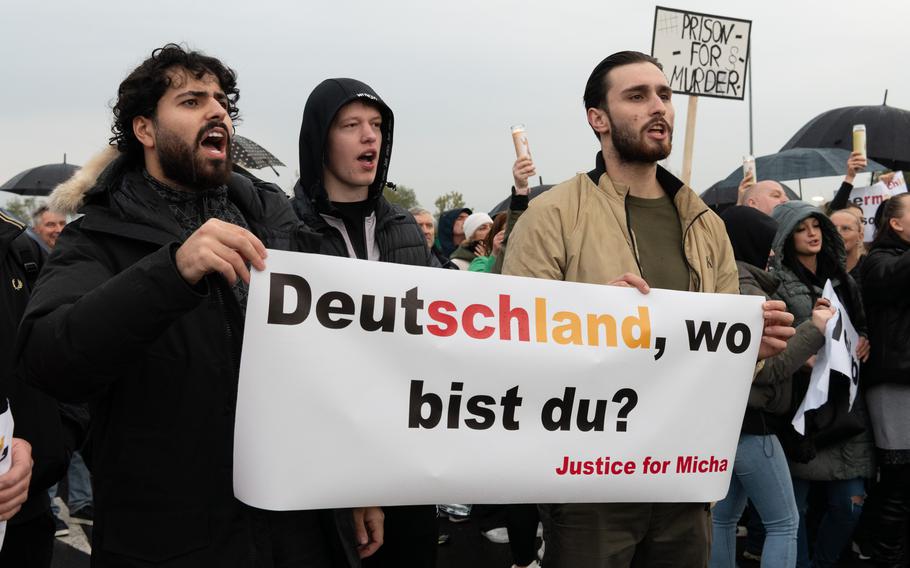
pixel 191 209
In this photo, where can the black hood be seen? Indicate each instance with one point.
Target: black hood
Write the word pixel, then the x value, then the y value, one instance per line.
pixel 444 231
pixel 751 233
pixel 324 103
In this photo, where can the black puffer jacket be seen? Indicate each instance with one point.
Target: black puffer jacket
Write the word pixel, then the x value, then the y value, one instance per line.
pixel 886 277
pixel 446 228
pixel 158 360
pixel 36 415
pixel 396 233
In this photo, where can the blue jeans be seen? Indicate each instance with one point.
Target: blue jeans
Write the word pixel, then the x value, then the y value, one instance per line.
pixel 80 486
pixel 845 505
pixel 760 473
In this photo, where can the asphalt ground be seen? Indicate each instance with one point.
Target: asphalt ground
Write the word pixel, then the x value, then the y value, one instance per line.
pixel 466 548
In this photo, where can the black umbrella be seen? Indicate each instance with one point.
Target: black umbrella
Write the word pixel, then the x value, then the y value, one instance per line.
pixel 504 204
pixel 40 180
pixel 796 163
pixel 887 133
pixel 251 155
pixel 720 197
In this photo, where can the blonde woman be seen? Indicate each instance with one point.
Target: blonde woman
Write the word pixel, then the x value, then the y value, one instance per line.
pixel 849 223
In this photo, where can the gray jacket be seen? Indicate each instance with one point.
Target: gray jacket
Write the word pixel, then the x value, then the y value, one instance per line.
pixel 853 457
pixel 772 390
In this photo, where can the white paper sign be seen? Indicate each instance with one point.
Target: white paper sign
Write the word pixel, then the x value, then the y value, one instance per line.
pixel 838 354
pixel 870 198
pixel 6 451
pixel 373 383
pixel 702 55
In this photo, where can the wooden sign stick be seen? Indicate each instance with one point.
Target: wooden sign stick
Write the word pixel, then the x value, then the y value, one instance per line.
pixel 690 139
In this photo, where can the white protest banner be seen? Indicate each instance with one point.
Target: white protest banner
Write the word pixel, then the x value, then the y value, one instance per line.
pixel 838 354
pixel 373 383
pixel 702 55
pixel 870 198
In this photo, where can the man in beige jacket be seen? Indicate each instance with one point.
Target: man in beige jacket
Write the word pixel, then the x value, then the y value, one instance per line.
pixel 629 222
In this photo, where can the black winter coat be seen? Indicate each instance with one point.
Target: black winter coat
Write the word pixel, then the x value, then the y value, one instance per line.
pixel 36 415
pixel 397 234
pixel 158 360
pixel 886 277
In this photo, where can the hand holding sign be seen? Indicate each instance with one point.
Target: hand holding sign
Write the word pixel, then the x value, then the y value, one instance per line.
pixel 629 280
pixel 221 247
pixel 862 349
pixel 821 313
pixel 369 529
pixel 838 354
pixel 14 483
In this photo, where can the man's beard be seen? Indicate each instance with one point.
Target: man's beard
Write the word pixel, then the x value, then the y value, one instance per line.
pixel 632 147
pixel 185 166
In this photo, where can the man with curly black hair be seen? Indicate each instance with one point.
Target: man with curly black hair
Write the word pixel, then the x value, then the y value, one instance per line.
pixel 142 306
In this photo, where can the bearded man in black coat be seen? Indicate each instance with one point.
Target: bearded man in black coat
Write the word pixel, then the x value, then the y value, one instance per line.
pixel 142 303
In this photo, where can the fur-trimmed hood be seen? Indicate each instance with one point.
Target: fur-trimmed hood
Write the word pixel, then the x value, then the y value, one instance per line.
pixel 68 197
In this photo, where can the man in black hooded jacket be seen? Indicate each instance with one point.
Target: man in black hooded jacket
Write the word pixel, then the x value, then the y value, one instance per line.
pixel 142 304
pixel 29 540
pixel 451 231
pixel 345 147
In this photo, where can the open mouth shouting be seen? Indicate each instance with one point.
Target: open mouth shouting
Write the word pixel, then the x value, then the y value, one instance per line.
pixel 658 130
pixel 368 159
pixel 215 143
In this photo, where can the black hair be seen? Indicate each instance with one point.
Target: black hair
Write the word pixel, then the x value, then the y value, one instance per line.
pixel 139 93
pixel 827 262
pixel 891 209
pixel 597 86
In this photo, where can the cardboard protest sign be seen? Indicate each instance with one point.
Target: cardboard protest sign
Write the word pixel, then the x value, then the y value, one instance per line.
pixel 702 55
pixel 838 354
pixel 897 183
pixel 871 197
pixel 374 383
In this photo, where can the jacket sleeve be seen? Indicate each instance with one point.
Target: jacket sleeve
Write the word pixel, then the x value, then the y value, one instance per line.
pixel 518 204
pixel 536 245
pixel 778 371
pixel 727 273
pixel 884 274
pixel 86 324
pixel 482 264
pixel 841 197
pixel 806 343
pixel 858 317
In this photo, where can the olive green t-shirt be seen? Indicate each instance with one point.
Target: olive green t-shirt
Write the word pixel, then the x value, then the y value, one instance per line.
pixel 658 236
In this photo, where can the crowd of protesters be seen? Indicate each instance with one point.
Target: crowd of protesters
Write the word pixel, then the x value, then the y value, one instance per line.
pixel 121 335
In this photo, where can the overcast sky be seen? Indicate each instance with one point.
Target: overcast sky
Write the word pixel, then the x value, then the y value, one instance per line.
pixel 456 74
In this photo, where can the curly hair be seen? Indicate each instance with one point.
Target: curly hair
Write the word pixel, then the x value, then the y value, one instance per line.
pixel 139 93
